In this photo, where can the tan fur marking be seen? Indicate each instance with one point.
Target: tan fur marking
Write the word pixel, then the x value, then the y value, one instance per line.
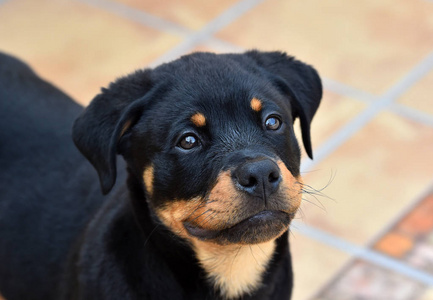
pixel 256 104
pixel 199 120
pixel 234 269
pixel 174 214
pixel 210 214
pixel 148 179
pixel 292 186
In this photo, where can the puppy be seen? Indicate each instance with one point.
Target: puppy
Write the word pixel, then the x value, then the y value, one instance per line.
pixel 206 190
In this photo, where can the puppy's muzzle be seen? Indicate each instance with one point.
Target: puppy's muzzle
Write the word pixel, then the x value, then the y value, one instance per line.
pixel 253 201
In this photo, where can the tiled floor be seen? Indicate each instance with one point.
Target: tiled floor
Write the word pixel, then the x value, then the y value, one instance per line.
pixel 366 230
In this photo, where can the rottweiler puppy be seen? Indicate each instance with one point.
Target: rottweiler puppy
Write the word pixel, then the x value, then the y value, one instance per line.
pixel 206 190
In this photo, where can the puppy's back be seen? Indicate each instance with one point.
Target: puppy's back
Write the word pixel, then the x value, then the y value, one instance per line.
pixel 46 187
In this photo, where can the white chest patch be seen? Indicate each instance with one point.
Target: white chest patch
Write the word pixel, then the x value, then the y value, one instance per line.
pixel 235 269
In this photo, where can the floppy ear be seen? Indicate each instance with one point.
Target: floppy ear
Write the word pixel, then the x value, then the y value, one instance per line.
pixel 97 130
pixel 298 80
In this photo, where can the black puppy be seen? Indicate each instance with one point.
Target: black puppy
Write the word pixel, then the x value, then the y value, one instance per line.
pixel 201 210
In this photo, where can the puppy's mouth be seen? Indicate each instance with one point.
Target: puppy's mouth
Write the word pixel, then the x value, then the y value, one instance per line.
pixel 258 228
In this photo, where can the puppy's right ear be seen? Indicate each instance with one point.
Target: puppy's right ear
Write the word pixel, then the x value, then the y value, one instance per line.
pixel 97 130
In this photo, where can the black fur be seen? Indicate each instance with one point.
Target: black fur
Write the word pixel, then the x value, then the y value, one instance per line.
pixel 61 239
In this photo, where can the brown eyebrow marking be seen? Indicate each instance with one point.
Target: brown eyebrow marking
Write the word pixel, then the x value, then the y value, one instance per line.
pixel 256 104
pixel 198 119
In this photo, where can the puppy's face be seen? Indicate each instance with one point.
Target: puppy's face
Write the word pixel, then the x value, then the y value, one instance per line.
pixel 217 155
pixel 210 140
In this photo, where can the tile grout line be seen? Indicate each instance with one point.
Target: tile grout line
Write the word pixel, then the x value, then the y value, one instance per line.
pixel 417 72
pixel 348 91
pixel 364 253
pixel 192 38
pixel 412 114
pixel 417 200
pixel 221 21
pixel 363 118
pixel 138 16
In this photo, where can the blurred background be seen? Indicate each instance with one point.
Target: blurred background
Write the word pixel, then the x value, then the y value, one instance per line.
pixel 365 229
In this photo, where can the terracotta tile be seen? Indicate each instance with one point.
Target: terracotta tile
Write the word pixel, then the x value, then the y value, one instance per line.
pixel 369 45
pixel 422 257
pixel 395 244
pixel 420 220
pixel 192 14
pixel 378 172
pixel 313 264
pixel 75 46
pixel 420 95
pixel 365 281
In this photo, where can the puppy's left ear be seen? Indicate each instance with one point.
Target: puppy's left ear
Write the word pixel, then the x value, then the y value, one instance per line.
pixel 97 131
pixel 298 80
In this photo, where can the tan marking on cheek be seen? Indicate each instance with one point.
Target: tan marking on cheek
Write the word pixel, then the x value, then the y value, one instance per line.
pixel 234 269
pixel 256 104
pixel 174 214
pixel 292 187
pixel 222 203
pixel 215 212
pixel 198 120
pixel 224 188
pixel 148 179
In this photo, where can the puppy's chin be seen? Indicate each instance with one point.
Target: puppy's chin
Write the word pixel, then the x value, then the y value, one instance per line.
pixel 259 228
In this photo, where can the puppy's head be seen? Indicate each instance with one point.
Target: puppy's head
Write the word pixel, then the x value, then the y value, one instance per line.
pixel 210 139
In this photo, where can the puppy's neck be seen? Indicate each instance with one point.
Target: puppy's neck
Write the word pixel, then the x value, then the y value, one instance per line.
pixel 234 270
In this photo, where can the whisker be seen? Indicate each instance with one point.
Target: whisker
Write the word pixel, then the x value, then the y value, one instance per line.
pixel 312 195
pixel 301 213
pixel 320 205
pixel 233 261
pixel 291 234
pixel 150 234
pixel 210 217
pixel 252 254
pixel 309 189
pixel 261 249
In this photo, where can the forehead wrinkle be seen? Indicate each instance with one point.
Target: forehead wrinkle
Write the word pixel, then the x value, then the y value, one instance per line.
pixel 234 137
pixel 233 121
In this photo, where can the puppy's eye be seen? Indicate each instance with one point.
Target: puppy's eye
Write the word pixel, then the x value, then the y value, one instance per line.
pixel 188 142
pixel 273 123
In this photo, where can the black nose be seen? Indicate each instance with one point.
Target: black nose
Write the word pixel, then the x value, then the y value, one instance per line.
pixel 258 178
